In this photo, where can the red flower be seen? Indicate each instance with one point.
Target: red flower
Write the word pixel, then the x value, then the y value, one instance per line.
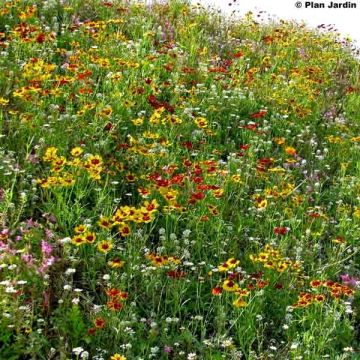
pixel 258 114
pixel 187 144
pixel 198 195
pixel 244 146
pixel 99 323
pixel 261 284
pixel 238 54
pixel 114 305
pixel 176 274
pixel 40 38
pixel 216 291
pixel 91 331
pixel 280 230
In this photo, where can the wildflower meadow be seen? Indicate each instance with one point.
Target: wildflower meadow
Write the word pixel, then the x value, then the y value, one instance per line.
pixel 176 184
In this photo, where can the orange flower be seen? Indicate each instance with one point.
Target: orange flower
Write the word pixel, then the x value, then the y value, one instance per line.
pixel 319 298
pixel 116 263
pixel 217 291
pixel 114 305
pixel 290 150
pixel 315 283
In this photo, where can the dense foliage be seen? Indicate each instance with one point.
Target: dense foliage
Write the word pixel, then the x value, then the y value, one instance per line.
pixel 176 185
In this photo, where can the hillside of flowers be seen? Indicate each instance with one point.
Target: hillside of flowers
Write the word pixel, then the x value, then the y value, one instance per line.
pixel 176 185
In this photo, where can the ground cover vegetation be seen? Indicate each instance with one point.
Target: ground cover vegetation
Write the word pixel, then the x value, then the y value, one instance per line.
pixel 176 185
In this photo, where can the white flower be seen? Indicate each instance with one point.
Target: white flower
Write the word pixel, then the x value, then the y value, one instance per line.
pixel 84 355
pixel 65 240
pixel 10 290
pixel 186 233
pixel 226 343
pixel 5 282
pixel 70 271
pixel 78 350
pixel 154 350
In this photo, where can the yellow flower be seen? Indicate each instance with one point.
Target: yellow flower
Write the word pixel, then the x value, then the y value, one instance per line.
pixel 262 204
pixel 50 154
pixel 80 229
pixel 243 292
pixel 236 178
pixel 223 267
pixel 201 122
pixel 233 263
pixel 105 223
pixel 90 237
pixel 138 121
pixel 3 101
pixel 94 161
pixel 118 357
pixel 107 111
pixel 357 213
pixel 78 240
pixel 279 141
pixel 76 151
pixel 105 246
pixel 239 302
pixel 116 263
pixel 230 286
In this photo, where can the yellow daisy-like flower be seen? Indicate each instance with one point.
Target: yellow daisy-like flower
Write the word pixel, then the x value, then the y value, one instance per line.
pixel 138 121
pixel 262 204
pixel 201 122
pixel 116 263
pixel 76 151
pixel 78 240
pixel 3 101
pixel 94 161
pixel 80 229
pixel 233 263
pixel 105 246
pixel 230 286
pixel 105 222
pixel 236 178
pixel 50 154
pixel 240 302
pixel 118 357
pixel 90 237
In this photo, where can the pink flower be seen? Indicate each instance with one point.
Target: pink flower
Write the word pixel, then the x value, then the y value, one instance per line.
pixel 349 280
pixel 46 248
